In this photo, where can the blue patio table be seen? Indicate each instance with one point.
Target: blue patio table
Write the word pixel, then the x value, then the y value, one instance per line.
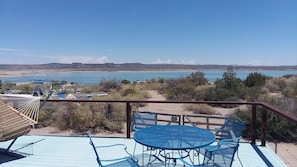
pixel 174 138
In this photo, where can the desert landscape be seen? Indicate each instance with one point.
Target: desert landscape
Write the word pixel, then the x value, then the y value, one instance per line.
pixel 287 152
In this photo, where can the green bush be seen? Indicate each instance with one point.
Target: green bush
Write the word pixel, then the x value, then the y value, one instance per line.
pixel 124 81
pixel 255 79
pixel 197 78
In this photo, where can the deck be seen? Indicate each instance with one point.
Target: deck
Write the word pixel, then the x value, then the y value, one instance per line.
pixel 70 151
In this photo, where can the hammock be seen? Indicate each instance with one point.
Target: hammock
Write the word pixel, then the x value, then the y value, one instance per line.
pixel 12 123
pixel 17 114
pixel 26 105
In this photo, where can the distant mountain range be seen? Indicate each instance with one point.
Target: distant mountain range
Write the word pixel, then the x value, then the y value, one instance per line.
pixel 134 67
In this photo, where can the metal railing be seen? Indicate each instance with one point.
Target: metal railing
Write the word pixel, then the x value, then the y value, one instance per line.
pixel 259 109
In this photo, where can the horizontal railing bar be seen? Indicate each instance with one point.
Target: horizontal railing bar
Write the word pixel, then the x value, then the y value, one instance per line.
pixel 285 114
pixel 154 101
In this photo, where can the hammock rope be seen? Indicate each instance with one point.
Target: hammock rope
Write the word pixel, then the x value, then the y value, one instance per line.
pixel 26 105
pixel 12 123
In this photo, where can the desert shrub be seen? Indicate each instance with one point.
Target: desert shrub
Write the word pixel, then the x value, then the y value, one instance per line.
pixel 44 119
pixel 180 92
pixel 202 92
pixel 125 81
pixel 197 78
pixel 288 76
pixel 25 87
pixel 178 89
pixel 129 91
pixel 255 79
pixel 278 128
pixel 7 86
pixel 255 93
pixel 200 109
pixel 152 84
pixel 290 90
pixel 90 89
pixel 276 84
pixel 81 117
pixel 182 88
pixel 109 84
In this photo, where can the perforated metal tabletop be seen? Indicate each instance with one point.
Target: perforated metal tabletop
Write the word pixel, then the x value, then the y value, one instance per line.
pixel 174 137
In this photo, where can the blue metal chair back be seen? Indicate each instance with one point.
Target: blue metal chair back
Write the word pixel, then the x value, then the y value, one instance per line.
pixel 232 128
pixel 144 119
pixel 222 156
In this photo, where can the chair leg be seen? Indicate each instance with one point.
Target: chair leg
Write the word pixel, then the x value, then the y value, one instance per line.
pixel 239 158
pixel 7 149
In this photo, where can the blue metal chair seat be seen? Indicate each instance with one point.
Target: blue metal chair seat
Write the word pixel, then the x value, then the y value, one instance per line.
pixel 126 161
pixel 220 155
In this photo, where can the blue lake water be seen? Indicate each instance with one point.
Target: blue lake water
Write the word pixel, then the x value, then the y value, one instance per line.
pixel 94 77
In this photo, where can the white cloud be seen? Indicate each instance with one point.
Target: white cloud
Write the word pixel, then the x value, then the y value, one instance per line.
pixel 9 50
pixel 169 61
pixel 255 63
pixel 188 61
pixel 79 59
pixel 159 61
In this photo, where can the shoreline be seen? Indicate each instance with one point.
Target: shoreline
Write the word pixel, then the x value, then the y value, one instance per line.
pixel 37 72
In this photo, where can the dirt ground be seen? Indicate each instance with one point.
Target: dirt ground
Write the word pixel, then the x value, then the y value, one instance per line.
pixel 287 152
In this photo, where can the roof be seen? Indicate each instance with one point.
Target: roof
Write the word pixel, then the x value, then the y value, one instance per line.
pixel 70 151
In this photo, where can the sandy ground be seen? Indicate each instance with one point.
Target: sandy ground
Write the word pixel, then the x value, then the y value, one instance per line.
pixel 287 152
pixel 9 73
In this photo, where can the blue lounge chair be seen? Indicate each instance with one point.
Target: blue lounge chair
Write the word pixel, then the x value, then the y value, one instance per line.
pixel 126 161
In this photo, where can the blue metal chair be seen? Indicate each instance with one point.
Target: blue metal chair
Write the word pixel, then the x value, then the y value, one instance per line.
pixel 126 161
pixel 144 119
pixel 230 132
pixel 221 155
pixel 232 128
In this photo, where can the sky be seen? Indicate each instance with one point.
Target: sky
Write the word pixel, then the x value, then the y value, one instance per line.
pixel 225 32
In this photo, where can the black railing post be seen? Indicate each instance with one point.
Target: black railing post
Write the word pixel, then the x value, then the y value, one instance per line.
pixel 263 126
pixel 253 122
pixel 128 114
